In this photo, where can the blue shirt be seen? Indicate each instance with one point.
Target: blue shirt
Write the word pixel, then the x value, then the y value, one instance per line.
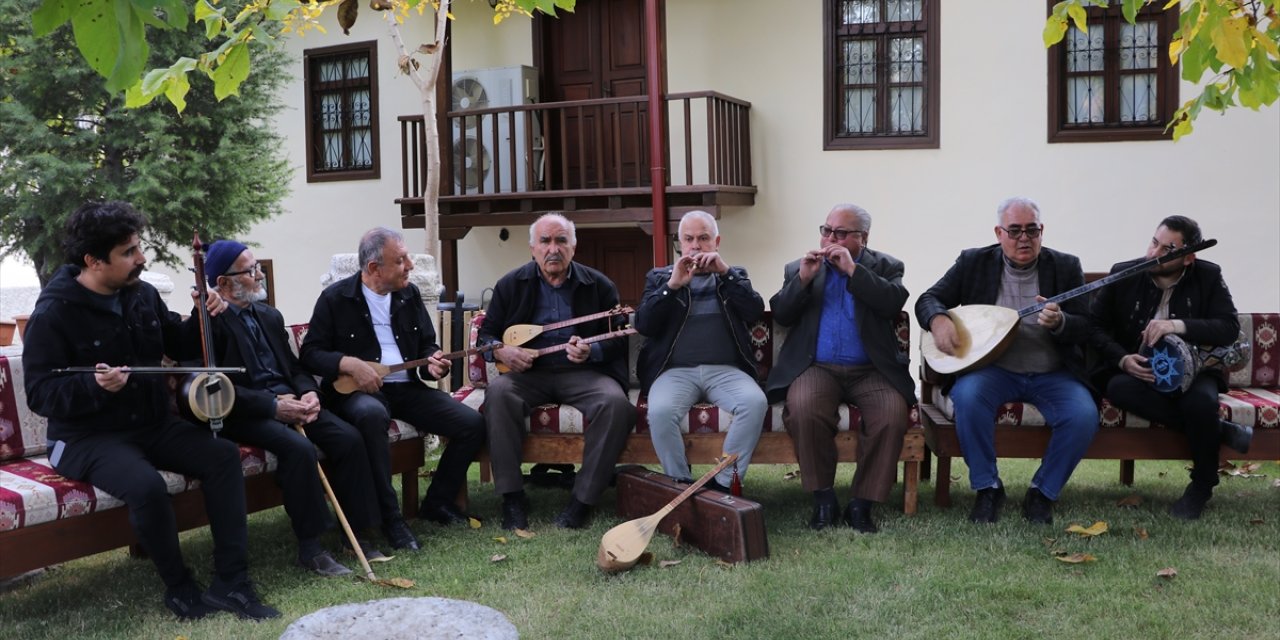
pixel 839 341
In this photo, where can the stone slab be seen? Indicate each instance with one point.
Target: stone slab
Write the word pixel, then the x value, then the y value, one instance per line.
pixel 424 618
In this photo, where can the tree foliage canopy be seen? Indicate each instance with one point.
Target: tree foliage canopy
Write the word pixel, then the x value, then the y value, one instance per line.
pixel 1238 40
pixel 66 138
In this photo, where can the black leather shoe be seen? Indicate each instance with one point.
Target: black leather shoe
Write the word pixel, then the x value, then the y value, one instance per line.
pixel 1192 502
pixel 515 511
pixel 1036 507
pixel 185 602
pixel 858 516
pixel 400 536
pixel 445 513
pixel 716 486
pixel 1236 436
pixel 323 564
pixel 824 514
pixel 238 598
pixel 986 505
pixel 575 515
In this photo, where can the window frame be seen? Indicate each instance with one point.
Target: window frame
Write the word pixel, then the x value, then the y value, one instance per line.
pixel 309 59
pixel 928 27
pixel 1167 79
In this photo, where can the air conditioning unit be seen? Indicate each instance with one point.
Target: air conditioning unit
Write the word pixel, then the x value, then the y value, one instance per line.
pixel 479 156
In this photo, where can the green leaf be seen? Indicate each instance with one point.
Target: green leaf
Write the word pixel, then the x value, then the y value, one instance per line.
pixel 1079 16
pixel 133 50
pixel 203 10
pixel 546 6
pixel 1055 29
pixel 177 91
pixel 1130 10
pixel 231 71
pixel 1193 59
pixel 278 9
pixel 94 26
pixel 51 15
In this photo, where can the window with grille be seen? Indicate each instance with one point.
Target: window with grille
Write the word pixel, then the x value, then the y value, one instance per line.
pixel 1114 82
pixel 342 112
pixel 881 74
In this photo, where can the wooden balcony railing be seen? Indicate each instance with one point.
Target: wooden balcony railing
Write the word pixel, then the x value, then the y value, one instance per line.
pixel 588 145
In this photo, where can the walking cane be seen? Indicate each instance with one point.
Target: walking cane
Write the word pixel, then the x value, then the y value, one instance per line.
pixel 402 583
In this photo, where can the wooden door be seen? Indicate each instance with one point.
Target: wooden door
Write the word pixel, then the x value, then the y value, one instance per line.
pixel 623 254
pixel 596 52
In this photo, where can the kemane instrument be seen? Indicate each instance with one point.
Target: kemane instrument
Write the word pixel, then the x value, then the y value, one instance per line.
pixel 210 394
pixel 345 383
pixel 518 334
pixel 621 546
pixel 984 331
pixel 538 353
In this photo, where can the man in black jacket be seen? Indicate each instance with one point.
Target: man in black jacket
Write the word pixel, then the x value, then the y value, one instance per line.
pixel 377 315
pixel 1185 297
pixel 274 394
pixel 113 429
pixel 696 314
pixel 841 302
pixel 1043 366
pixel 590 376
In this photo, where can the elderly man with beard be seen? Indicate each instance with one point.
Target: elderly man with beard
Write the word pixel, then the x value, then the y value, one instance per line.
pixel 590 377
pixel 1044 365
pixel 1186 297
pixel 377 315
pixel 275 393
pixel 113 428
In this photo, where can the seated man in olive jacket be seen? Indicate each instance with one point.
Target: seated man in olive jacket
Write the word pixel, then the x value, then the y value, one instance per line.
pixel 377 315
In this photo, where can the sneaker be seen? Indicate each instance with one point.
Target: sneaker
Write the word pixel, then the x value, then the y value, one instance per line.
pixel 1037 508
pixel 515 511
pixel 575 515
pixel 986 506
pixel 1192 502
pixel 184 601
pixel 400 535
pixel 323 564
pixel 238 598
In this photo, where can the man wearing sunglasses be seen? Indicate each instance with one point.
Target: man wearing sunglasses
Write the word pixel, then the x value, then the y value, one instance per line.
pixel 840 302
pixel 1043 366
pixel 274 393
pixel 1185 297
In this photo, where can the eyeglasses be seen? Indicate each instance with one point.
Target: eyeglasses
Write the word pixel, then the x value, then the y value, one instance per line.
pixel 1017 232
pixel 840 234
pixel 255 268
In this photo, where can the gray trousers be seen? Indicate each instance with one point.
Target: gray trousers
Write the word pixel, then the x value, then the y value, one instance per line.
pixel 604 405
pixel 677 389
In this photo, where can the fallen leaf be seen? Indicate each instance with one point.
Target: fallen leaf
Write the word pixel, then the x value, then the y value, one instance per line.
pixel 426 473
pixel 500 539
pixel 1275 484
pixel 723 565
pixel 1257 521
pixel 675 536
pixel 1097 528
pixel 403 583
pixel 1074 558
pixel 381 559
pixel 474 523
pixel 791 475
pixel 497 557
pixel 1130 501
pixel 1162 474
pixel 1141 532
pixel 645 558
pixel 1168 573
pixel 668 563
pixel 525 534
pixel 1049 542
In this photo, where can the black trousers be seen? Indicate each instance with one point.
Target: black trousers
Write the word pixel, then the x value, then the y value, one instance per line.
pixel 304 498
pixel 124 465
pixel 1194 412
pixel 429 410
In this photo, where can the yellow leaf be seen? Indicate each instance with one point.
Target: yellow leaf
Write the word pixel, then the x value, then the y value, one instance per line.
pixel 1168 573
pixel 1079 17
pixel 497 557
pixel 668 563
pixel 500 539
pixel 1054 30
pixel 1175 50
pixel 474 523
pixel 524 533
pixel 381 559
pixel 1228 38
pixel 1075 558
pixel 1098 528
pixel 1130 501
pixel 1266 43
pixel 723 565
pixel 1141 532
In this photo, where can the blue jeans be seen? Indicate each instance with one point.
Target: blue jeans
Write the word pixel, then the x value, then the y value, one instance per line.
pixel 1067 407
pixel 676 390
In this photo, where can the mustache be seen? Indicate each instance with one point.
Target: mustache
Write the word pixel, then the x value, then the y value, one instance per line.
pixel 137 272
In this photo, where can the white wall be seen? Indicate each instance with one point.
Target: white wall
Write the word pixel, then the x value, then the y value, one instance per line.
pixel 1100 201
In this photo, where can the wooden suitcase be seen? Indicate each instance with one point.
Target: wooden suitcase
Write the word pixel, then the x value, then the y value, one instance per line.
pixel 727 527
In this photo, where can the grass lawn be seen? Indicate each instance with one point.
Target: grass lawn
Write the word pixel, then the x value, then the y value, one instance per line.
pixel 933 575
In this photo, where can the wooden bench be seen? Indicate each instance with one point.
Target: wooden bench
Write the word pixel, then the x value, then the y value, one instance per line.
pixel 46 519
pixel 555 431
pixel 1252 399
